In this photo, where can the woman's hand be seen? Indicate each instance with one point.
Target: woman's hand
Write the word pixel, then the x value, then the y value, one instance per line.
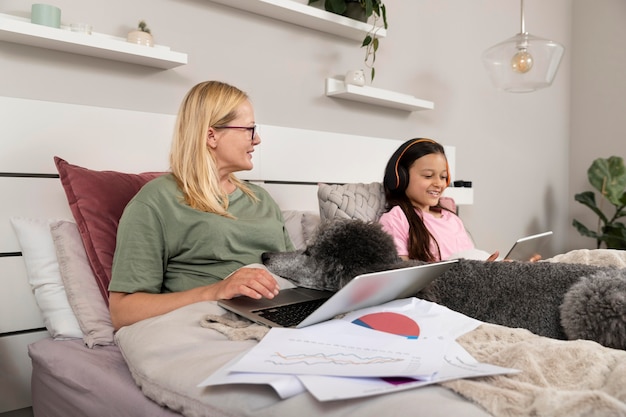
pixel 251 282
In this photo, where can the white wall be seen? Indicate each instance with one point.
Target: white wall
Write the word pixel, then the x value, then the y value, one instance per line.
pixel 598 99
pixel 515 148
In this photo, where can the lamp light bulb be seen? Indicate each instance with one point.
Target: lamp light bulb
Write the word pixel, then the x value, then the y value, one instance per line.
pixel 522 61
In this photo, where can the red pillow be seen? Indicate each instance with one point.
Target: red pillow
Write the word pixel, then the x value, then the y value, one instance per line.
pixel 97 200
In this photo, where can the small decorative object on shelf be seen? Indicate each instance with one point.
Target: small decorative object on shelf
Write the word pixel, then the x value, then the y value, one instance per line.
pixel 81 28
pixel 46 15
pixel 142 35
pixel 355 77
pixel 362 10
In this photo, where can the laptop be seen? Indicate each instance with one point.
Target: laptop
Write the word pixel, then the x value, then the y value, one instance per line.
pixel 528 246
pixel 364 290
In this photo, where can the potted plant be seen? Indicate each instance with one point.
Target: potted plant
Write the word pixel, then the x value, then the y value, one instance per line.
pixel 608 176
pixel 141 35
pixel 362 10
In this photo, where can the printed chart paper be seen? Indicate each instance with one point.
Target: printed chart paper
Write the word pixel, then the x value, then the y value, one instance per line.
pixel 397 346
pixel 340 348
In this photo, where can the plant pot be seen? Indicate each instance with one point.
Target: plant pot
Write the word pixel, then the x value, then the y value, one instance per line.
pixel 355 11
pixel 141 38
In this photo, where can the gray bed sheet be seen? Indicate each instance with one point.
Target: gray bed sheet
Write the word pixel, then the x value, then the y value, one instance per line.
pixel 70 379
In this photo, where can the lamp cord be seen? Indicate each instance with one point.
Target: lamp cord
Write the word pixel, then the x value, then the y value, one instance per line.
pixel 522 25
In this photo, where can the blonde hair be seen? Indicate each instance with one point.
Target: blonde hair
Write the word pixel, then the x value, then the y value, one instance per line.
pixel 210 103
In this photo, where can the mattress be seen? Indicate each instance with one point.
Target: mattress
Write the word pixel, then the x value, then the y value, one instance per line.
pixel 70 379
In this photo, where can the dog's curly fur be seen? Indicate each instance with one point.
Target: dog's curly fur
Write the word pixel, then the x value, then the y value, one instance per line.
pixel 338 251
pixel 556 300
pixel 595 309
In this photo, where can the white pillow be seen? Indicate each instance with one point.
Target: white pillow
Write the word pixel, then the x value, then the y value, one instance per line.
pixel 44 277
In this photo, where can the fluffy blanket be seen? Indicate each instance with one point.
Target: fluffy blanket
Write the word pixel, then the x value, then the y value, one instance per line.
pixel 559 378
pixel 597 257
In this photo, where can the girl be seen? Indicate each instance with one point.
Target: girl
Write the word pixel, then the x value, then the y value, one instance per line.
pixel 422 229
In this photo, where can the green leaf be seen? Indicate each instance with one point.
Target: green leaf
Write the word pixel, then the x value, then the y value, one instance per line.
pixel 588 198
pixel 369 7
pixel 366 41
pixel 373 73
pixel 583 230
pixel 609 177
pixel 384 10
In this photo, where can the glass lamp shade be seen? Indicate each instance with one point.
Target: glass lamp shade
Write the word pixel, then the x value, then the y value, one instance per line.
pixel 523 63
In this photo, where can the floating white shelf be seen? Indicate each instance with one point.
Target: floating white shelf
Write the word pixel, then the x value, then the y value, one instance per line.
pixel 19 30
pixel 307 16
pixel 366 94
pixel 461 196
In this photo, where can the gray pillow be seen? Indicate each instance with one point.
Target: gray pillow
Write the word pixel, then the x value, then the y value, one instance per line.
pixel 80 285
pixel 300 225
pixel 351 201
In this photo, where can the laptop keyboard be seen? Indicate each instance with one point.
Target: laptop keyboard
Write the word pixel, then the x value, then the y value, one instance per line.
pixel 290 315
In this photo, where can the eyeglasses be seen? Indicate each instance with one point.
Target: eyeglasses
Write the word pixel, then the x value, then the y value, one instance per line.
pixel 252 129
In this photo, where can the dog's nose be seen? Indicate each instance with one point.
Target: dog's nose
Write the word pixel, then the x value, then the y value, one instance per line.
pixel 265 257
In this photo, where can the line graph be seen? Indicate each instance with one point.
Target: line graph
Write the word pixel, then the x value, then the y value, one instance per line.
pixel 345 359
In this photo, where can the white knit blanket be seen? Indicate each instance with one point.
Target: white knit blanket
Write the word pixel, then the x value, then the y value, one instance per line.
pixel 597 257
pixel 558 379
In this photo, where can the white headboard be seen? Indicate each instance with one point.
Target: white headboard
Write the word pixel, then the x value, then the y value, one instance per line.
pixel 131 141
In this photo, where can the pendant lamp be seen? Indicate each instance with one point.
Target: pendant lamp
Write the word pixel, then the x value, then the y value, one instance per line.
pixel 523 63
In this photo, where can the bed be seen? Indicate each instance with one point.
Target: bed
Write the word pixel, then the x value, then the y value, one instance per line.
pixel 58 233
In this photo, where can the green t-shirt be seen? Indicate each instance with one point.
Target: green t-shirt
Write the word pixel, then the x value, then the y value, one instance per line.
pixel 163 245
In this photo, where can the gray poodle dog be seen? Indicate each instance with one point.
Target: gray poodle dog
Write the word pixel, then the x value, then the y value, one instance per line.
pixel 339 251
pixel 557 300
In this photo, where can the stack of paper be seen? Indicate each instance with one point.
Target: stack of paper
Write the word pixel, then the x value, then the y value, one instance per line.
pixel 399 345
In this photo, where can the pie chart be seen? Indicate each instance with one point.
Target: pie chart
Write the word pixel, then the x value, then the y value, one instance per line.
pixel 389 322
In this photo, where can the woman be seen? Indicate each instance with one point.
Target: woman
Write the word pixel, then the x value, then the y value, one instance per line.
pixel 186 235
pixel 415 178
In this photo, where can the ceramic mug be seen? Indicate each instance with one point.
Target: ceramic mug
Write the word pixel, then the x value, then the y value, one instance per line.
pixel 355 77
pixel 45 14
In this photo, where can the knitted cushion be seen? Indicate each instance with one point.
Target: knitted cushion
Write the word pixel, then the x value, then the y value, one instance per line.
pixel 351 201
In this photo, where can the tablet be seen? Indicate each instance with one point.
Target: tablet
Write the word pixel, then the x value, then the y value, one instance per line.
pixel 528 246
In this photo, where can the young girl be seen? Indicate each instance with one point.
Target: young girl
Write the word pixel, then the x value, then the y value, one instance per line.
pixel 422 229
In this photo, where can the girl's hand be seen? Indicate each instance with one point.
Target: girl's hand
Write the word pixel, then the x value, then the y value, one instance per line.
pixel 493 256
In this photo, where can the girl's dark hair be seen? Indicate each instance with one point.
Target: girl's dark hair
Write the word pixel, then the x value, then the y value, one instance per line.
pixel 420 238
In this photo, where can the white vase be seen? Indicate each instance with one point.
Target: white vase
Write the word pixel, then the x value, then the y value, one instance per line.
pixel 141 38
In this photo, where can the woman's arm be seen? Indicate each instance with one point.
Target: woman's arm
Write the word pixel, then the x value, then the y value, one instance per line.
pixel 129 308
